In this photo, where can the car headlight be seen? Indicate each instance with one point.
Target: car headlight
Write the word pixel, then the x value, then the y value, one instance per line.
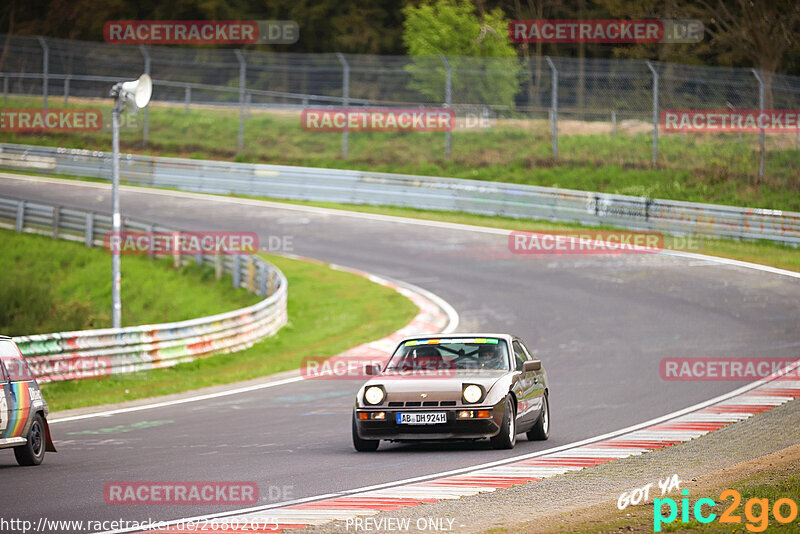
pixel 472 393
pixel 374 395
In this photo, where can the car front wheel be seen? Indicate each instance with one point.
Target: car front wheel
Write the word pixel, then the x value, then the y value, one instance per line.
pixel 507 437
pixel 32 453
pixel 541 430
pixel 363 445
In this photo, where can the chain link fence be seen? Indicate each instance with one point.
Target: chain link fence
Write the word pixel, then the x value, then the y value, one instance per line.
pixel 549 88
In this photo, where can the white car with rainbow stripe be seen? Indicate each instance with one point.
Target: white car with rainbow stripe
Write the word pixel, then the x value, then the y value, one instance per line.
pixel 23 410
pixel 456 387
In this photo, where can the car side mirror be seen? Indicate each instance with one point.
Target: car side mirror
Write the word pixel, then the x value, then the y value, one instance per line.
pixel 372 369
pixel 532 365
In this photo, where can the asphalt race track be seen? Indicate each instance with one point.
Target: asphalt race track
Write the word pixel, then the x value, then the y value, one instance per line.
pixel 600 324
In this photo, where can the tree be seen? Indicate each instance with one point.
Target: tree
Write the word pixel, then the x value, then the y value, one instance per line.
pixel 452 28
pixel 760 31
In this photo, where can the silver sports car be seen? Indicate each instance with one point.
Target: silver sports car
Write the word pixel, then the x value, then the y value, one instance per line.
pixel 461 386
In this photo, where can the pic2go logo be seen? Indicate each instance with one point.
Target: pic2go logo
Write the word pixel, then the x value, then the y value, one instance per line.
pixel 756 511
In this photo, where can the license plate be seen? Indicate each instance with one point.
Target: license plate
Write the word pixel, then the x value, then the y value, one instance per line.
pixel 422 418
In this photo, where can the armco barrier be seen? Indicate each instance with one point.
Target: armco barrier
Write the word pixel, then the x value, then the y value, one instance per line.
pixel 91 353
pixel 447 194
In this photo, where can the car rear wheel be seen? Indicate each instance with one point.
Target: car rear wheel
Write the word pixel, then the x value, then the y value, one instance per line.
pixel 363 445
pixel 507 437
pixel 541 430
pixel 32 453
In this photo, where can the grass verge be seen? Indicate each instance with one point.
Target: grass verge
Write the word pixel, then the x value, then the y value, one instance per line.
pixel 329 312
pixel 49 285
pixel 716 168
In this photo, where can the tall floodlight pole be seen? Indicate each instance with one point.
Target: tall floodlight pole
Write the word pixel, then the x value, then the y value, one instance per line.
pixel 116 300
pixel 134 95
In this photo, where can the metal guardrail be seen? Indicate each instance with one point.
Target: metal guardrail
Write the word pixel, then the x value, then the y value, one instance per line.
pixel 92 353
pixel 422 192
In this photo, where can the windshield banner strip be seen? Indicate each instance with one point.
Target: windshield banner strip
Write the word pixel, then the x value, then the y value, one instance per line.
pixel 414 342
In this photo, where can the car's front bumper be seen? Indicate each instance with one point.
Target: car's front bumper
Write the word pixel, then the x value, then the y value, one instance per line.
pixel 454 428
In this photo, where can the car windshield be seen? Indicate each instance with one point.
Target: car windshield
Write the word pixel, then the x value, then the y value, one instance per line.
pixel 458 353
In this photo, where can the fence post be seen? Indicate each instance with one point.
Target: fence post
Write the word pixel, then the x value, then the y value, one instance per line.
pixel 655 111
pixel 187 99
pixel 554 106
pixel 218 259
pixel 66 90
pixel 237 271
pixel 20 216
pixel 5 89
pixel 242 82
pixel 177 261
pixel 345 98
pixel 89 234
pixel 45 71
pixel 448 102
pixel 262 280
pixel 146 125
pixel 251 275
pixel 152 230
pixel 56 220
pixel 761 90
pixel 614 122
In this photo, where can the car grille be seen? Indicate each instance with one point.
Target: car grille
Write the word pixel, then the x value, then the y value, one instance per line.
pixel 413 404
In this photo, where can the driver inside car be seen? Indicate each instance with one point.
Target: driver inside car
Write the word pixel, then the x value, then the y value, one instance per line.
pixel 489 358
